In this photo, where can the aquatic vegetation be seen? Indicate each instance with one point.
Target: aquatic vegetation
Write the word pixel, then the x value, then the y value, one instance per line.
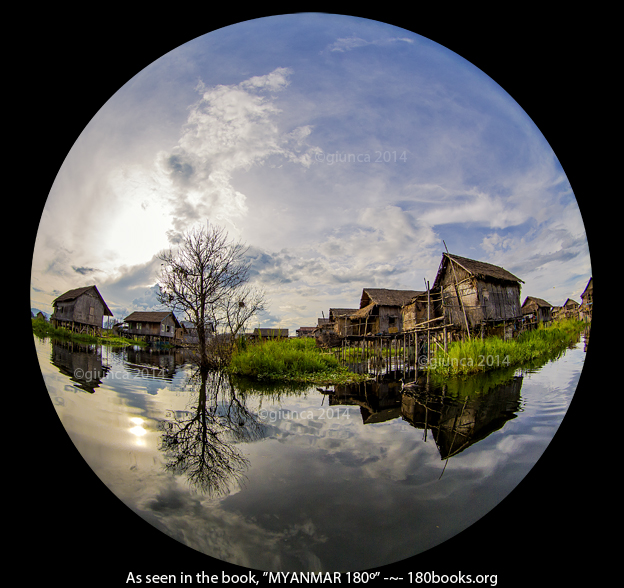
pixel 44 329
pixel 297 360
pixel 480 355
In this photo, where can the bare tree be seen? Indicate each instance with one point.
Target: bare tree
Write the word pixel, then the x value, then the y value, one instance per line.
pixel 206 277
pixel 236 310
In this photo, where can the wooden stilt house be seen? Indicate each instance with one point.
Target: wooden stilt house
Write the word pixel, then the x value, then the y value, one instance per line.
pixel 339 317
pixel 153 326
pixel 380 312
pixel 537 310
pixel 476 296
pixel 587 301
pixel 570 309
pixel 81 310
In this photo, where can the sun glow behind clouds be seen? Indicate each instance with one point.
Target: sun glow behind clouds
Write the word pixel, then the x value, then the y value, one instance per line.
pixel 240 148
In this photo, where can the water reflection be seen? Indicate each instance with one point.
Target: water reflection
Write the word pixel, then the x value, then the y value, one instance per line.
pixel 457 423
pixel 201 443
pixel 82 364
pixel 151 363
pixel 300 493
pixel 457 413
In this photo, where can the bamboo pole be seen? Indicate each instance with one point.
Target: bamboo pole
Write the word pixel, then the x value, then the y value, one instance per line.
pixel 415 354
pixel 461 304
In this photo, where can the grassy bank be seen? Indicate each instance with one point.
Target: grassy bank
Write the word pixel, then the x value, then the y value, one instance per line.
pixel 45 329
pixel 477 356
pixel 295 360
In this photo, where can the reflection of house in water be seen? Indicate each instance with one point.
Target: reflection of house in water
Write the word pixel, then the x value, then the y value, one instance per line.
pixel 151 363
pixel 81 363
pixel 455 424
pixel 378 401
pixel 454 421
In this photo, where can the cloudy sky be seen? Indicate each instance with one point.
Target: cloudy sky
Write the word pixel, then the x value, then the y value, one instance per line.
pixel 342 151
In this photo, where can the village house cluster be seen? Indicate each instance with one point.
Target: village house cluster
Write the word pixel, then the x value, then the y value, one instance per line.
pixel 82 310
pixel 467 297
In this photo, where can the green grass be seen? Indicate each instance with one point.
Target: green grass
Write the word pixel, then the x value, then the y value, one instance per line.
pixel 295 360
pixel 44 329
pixel 477 356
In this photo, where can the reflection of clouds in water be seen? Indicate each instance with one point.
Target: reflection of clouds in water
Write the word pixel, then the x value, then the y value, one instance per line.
pixel 314 487
pixel 229 535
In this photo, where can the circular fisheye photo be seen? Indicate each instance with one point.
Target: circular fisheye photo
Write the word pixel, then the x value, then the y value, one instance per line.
pixel 311 295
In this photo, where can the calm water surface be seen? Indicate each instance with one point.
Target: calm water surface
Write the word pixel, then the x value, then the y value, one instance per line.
pixel 307 479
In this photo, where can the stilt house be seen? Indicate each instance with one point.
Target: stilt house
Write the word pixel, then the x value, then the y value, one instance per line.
pixel 81 310
pixel 475 295
pixel 587 298
pixel 380 312
pixel 153 326
pixel 570 309
pixel 339 317
pixel 422 308
pixel 272 333
pixel 537 308
pixel 305 331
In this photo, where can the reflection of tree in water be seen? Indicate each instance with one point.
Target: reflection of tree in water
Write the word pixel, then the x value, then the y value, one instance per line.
pixel 201 443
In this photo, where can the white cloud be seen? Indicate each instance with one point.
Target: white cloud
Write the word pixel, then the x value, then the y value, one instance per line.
pixel 231 128
pixel 349 43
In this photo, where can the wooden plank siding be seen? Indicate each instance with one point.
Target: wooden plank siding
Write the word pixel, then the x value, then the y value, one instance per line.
pixel 475 293
pixel 81 310
pixel 153 326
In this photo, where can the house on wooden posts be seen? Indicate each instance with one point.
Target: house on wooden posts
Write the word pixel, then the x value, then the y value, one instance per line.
pixel 81 310
pixel 339 318
pixel 305 332
pixel 422 309
pixel 475 295
pixel 570 309
pixel 153 326
pixel 537 310
pixel 380 312
pixel 587 298
pixel 271 333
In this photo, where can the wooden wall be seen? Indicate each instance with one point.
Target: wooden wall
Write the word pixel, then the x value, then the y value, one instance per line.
pixel 482 300
pixel 154 329
pixel 87 309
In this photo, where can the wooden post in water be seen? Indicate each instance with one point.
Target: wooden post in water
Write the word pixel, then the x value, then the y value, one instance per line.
pixel 415 354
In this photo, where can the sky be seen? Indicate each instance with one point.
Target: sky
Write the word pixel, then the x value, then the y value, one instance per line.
pixel 344 152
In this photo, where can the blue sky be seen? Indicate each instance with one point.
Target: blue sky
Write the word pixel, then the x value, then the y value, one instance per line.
pixel 341 150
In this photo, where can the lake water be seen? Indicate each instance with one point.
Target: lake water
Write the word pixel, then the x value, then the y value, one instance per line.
pixel 303 479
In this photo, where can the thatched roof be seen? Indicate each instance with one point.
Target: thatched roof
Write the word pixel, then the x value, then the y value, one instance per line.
pixel 384 297
pixel 334 313
pixel 77 292
pixel 540 302
pixel 150 317
pixel 363 312
pixel 588 289
pixel 479 269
